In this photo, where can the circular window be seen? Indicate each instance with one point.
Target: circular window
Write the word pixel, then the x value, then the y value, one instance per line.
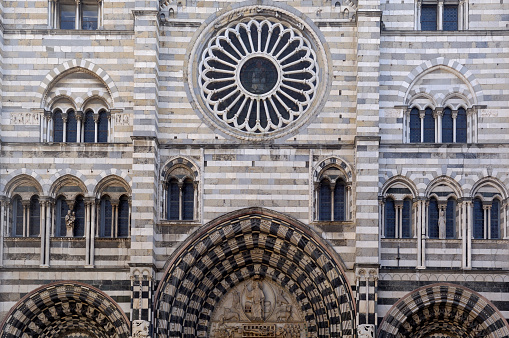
pixel 258 77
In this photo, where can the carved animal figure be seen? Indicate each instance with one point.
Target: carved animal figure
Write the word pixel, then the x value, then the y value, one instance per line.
pixel 229 314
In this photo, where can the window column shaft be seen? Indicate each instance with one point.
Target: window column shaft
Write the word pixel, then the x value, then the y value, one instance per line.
pixel 49 213
pixel 460 16
pixel 64 132
pixel 332 202
pixel 92 234
pixel 2 231
pixel 464 233
pixel 95 125
pixel 87 233
pixel 42 230
pixel 470 215
pixel 180 200
pixel 26 209
pixel 383 218
pixel 440 16
pixel 77 20
pixel 419 234
pixel 421 116
pixel 424 232
pixel 108 134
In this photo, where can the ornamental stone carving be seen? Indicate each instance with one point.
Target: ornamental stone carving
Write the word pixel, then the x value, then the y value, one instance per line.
pixel 257 308
pixel 254 72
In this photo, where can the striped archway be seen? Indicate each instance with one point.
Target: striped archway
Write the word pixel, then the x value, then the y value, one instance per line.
pixel 62 309
pixel 445 310
pixel 253 243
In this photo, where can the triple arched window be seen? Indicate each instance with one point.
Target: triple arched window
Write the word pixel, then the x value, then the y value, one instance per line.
pixel 72 126
pixel 440 125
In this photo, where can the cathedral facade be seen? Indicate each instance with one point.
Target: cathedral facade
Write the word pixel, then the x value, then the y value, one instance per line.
pixel 187 168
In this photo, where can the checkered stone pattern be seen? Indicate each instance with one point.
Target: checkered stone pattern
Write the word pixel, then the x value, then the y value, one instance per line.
pixel 65 309
pixel 440 308
pixel 141 299
pixel 223 255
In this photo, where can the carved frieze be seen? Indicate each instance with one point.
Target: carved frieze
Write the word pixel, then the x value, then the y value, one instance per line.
pixel 25 119
pixel 258 308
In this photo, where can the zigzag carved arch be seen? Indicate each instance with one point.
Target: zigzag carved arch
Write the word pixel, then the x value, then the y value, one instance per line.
pixel 252 243
pixel 59 308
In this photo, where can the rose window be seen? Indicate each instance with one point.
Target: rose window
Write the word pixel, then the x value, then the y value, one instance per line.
pixel 258 76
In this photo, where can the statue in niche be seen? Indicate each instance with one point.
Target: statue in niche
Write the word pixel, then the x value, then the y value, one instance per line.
pixel 69 223
pixel 441 223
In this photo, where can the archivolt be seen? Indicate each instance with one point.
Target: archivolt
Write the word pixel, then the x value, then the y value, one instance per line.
pixel 244 244
pixel 456 310
pixel 64 307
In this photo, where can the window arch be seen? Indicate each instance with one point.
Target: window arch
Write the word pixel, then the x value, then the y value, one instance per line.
pixel 447 126
pixel 79 214
pixel 58 126
pixel 461 126
pixel 89 127
pixel 429 126
pixel 478 219
pixel 390 218
pixel 415 126
pixel 34 226
pixel 433 216
pixel 102 127
pixel 123 217
pixel 324 201
pixel 173 193
pixel 71 127
pixel 450 218
pixel 406 226
pixel 106 218
pixel 17 217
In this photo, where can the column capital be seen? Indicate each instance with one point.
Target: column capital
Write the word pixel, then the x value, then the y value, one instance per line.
pixel 454 113
pixel 96 117
pixel 471 111
pixel 422 113
pixel 79 115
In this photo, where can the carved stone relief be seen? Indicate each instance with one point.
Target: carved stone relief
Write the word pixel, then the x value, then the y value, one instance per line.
pixel 25 118
pixel 257 308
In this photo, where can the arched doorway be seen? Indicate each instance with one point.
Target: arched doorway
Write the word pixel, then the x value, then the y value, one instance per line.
pixel 254 273
pixel 66 309
pixel 443 311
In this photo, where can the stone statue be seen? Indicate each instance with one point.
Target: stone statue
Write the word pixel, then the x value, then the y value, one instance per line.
pixel 441 224
pixel 69 223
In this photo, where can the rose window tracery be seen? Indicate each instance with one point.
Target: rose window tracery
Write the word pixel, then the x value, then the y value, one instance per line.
pixel 258 76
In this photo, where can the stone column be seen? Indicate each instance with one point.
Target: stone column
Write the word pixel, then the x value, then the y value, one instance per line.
pixel 472 133
pixel 87 232
pixel 440 15
pixel 141 305
pixel 181 184
pixel 454 115
pixel 438 114
pixel 47 131
pixel 366 286
pixel 42 225
pixel 422 113
pixel 3 203
pixel 79 132
pixel 470 215
pixel 399 219
pixel 96 121
pixel 487 220
pixel 114 218
pixel 418 5
pixel 26 217
pixel 64 118
pixel 92 233
pixel 51 13
pixel 77 21
pixel 108 136
pixel 461 8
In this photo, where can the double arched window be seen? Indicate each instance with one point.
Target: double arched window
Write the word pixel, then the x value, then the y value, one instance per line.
pixel 179 190
pixel 398 218
pixel 332 200
pixel 180 199
pixel 438 125
pixel 114 217
pixel 26 217
pixel 486 219
pixel 332 192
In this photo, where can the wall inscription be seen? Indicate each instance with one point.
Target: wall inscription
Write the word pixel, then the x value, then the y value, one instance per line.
pixel 258 308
